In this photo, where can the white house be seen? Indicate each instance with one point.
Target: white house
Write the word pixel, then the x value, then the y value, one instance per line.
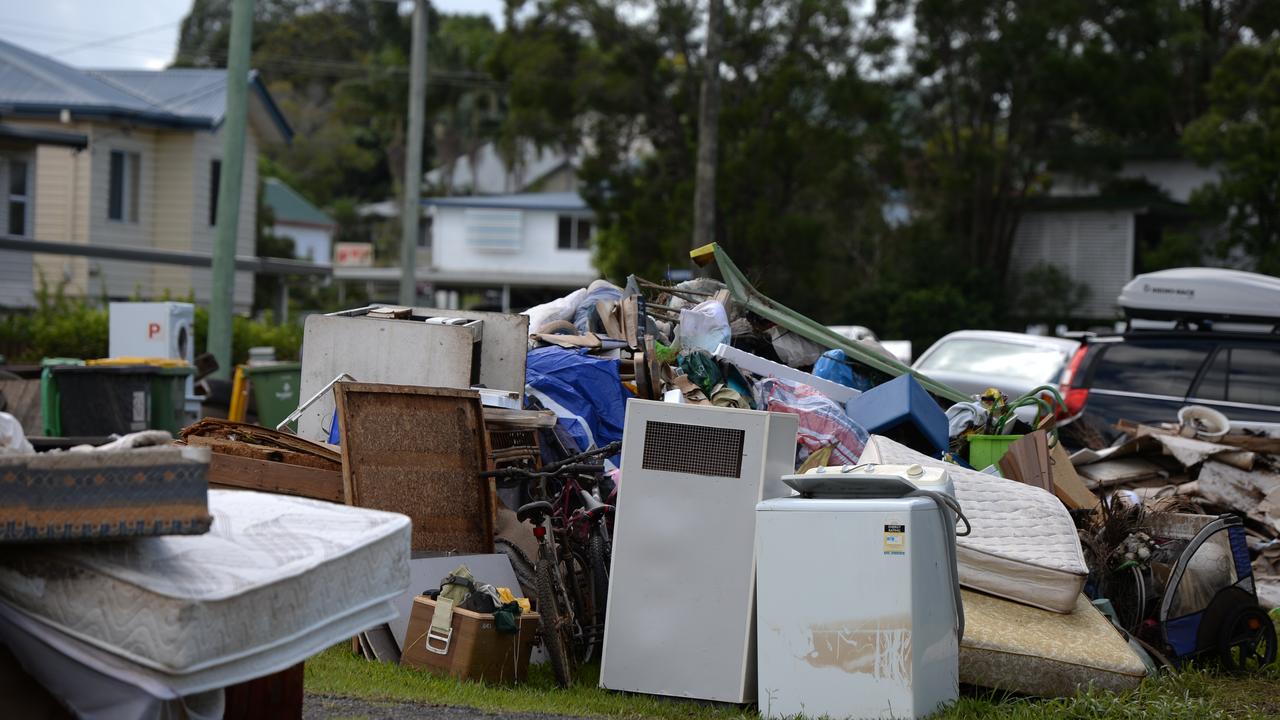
pixel 295 217
pixel 142 176
pixel 539 170
pixel 521 249
pixel 1096 237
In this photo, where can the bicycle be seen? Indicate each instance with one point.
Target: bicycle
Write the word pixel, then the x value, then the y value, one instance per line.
pixel 569 582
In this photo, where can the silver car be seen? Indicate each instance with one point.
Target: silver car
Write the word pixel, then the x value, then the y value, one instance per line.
pixel 973 360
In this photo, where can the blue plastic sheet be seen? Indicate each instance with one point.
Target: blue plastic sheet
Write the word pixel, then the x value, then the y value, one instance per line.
pixel 583 391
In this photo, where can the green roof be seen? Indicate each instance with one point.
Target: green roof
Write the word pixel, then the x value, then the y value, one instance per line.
pixel 289 206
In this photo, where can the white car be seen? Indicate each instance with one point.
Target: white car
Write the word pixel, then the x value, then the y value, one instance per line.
pixel 973 360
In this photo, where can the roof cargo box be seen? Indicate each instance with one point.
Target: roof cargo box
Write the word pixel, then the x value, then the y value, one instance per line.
pixel 1202 294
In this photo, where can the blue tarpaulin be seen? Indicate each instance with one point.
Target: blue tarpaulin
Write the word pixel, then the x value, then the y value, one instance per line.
pixel 583 391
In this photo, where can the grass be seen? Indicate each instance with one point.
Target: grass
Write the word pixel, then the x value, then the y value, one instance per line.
pixel 1194 694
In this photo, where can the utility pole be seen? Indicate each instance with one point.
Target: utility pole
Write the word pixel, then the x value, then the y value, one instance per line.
pixel 228 220
pixel 411 213
pixel 704 193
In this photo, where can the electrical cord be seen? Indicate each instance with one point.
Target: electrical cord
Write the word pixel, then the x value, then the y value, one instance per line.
pixel 946 502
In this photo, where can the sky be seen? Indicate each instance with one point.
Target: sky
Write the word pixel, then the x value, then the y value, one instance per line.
pixel 126 33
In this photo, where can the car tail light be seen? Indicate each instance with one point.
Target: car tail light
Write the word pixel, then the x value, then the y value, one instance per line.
pixel 1072 395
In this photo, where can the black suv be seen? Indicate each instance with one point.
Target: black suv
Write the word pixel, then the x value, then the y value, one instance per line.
pixel 1148 375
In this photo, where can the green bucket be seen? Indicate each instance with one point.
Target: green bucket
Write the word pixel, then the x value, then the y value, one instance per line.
pixel 987 450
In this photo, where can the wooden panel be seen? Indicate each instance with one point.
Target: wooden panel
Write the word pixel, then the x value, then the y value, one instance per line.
pixel 275 697
pixel 22 400
pixel 253 474
pixel 419 451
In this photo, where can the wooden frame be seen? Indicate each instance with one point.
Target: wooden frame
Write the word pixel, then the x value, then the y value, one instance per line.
pixel 419 451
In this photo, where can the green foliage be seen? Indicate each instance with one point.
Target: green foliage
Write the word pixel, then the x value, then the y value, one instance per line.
pixel 1048 294
pixel 59 326
pixel 286 338
pixel 1241 132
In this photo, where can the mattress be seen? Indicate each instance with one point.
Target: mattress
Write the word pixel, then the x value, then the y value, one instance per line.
pixel 1023 545
pixel 1012 647
pixel 104 494
pixel 275 574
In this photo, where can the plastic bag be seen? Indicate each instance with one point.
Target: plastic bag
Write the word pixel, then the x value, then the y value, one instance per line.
pixel 561 309
pixel 596 291
pixel 703 327
pixel 835 366
pixel 12 438
pixel 823 423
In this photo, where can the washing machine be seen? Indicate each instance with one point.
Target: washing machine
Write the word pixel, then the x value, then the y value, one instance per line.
pixel 858 606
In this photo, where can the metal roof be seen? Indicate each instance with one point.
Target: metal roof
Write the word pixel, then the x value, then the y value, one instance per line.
pixel 289 206
pixel 36 85
pixel 550 202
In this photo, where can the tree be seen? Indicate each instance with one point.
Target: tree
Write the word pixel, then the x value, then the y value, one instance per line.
pixel 1241 133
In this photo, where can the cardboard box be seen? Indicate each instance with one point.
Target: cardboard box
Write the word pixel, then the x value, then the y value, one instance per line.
pixel 474 651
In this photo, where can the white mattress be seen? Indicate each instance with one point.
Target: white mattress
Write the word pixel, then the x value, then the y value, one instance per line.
pixel 275 576
pixel 1023 546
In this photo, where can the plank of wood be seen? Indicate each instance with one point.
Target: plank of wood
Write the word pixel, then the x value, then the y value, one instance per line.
pixel 264 452
pixel 264 475
pixel 229 430
pixel 419 451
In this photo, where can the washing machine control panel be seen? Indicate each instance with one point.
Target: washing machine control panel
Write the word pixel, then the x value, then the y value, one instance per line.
pixel 869 481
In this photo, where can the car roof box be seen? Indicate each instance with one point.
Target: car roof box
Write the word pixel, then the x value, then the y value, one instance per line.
pixel 1203 294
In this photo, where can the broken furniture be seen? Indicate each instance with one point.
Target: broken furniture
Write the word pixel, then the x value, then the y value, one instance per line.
pixel 257 458
pixel 419 346
pixel 902 410
pixel 277 580
pixel 681 613
pixel 419 451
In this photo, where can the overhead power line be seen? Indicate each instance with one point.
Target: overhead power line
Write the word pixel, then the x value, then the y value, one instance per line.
pixel 116 38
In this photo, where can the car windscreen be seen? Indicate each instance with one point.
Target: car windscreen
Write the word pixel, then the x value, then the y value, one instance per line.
pixel 995 359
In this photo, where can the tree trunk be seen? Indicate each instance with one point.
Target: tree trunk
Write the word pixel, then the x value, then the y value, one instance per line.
pixel 704 196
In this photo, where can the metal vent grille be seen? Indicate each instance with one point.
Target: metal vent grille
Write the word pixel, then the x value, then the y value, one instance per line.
pixel 693 449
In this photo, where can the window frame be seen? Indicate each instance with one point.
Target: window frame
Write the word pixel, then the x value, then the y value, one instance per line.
pixel 27 198
pixel 215 180
pixel 1226 352
pixel 130 185
pixel 575 241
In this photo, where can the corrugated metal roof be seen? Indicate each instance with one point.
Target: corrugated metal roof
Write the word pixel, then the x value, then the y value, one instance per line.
pixel 36 85
pixel 290 206
pixel 550 202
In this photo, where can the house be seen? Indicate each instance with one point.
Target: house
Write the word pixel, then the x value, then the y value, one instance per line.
pixel 295 217
pixel 145 177
pixel 505 251
pixel 487 173
pixel 1096 235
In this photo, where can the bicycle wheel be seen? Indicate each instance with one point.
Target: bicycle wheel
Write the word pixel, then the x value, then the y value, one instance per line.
pixel 552 620
pixel 598 568
pixel 521 564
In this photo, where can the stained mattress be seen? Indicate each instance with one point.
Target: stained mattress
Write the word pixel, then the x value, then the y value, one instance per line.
pixel 1020 649
pixel 1023 545
pixel 274 580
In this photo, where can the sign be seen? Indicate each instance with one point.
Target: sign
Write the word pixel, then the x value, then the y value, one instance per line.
pixel 353 254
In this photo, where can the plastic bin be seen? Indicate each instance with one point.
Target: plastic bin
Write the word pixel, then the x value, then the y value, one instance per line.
pixel 104 396
pixel 49 408
pixel 101 400
pixel 987 450
pixel 275 390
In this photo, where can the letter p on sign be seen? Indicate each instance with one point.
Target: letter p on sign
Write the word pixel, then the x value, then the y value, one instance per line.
pixel 153 329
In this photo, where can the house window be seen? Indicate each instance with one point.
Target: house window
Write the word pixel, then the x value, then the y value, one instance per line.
pixel 122 191
pixel 575 233
pixel 215 177
pixel 19 197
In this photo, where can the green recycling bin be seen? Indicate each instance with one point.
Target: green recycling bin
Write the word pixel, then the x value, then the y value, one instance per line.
pixel 275 390
pixel 49 402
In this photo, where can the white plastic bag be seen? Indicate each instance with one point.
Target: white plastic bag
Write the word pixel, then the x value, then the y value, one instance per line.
pixel 12 439
pixel 556 310
pixel 704 327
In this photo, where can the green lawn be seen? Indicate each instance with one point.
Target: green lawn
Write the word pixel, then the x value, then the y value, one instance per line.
pixel 1191 695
